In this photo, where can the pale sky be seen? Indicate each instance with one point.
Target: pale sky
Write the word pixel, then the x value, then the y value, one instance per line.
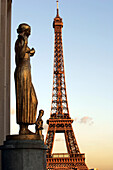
pixel 88 60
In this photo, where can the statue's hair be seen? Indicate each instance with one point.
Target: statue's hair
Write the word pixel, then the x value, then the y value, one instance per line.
pixel 22 27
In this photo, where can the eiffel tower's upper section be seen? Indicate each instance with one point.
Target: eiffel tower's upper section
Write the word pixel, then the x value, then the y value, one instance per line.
pixel 57 23
pixel 59 106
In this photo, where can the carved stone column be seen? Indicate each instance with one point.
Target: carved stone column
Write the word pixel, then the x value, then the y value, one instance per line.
pixel 5 46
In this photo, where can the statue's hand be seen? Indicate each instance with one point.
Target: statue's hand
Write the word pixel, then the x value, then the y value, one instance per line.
pixel 32 52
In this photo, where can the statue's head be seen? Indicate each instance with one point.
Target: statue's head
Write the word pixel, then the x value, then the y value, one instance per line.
pixel 41 112
pixel 24 29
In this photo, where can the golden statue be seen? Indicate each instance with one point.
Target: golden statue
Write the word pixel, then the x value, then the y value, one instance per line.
pixel 26 100
pixel 39 124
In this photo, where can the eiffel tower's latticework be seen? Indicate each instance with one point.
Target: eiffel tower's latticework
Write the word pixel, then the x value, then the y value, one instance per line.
pixel 60 121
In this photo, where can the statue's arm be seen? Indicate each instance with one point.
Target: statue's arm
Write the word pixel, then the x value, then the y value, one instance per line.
pixel 20 47
pixel 24 43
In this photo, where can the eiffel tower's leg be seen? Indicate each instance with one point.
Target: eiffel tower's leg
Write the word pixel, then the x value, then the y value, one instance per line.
pixel 49 141
pixel 71 142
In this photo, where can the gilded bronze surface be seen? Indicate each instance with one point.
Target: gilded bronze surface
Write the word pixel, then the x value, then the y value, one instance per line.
pixel 26 100
pixel 39 124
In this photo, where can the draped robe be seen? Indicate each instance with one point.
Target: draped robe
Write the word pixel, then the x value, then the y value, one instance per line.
pixel 26 100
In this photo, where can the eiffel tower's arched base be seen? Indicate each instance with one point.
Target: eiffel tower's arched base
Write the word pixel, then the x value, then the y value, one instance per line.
pixel 73 160
pixel 66 164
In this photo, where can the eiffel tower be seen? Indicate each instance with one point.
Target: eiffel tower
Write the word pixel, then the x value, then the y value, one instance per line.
pixel 60 120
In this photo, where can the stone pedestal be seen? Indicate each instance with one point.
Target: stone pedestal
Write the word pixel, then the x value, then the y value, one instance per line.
pixel 23 155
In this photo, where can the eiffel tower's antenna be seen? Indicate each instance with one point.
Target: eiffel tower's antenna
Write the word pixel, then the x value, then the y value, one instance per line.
pixel 57 3
pixel 57 8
